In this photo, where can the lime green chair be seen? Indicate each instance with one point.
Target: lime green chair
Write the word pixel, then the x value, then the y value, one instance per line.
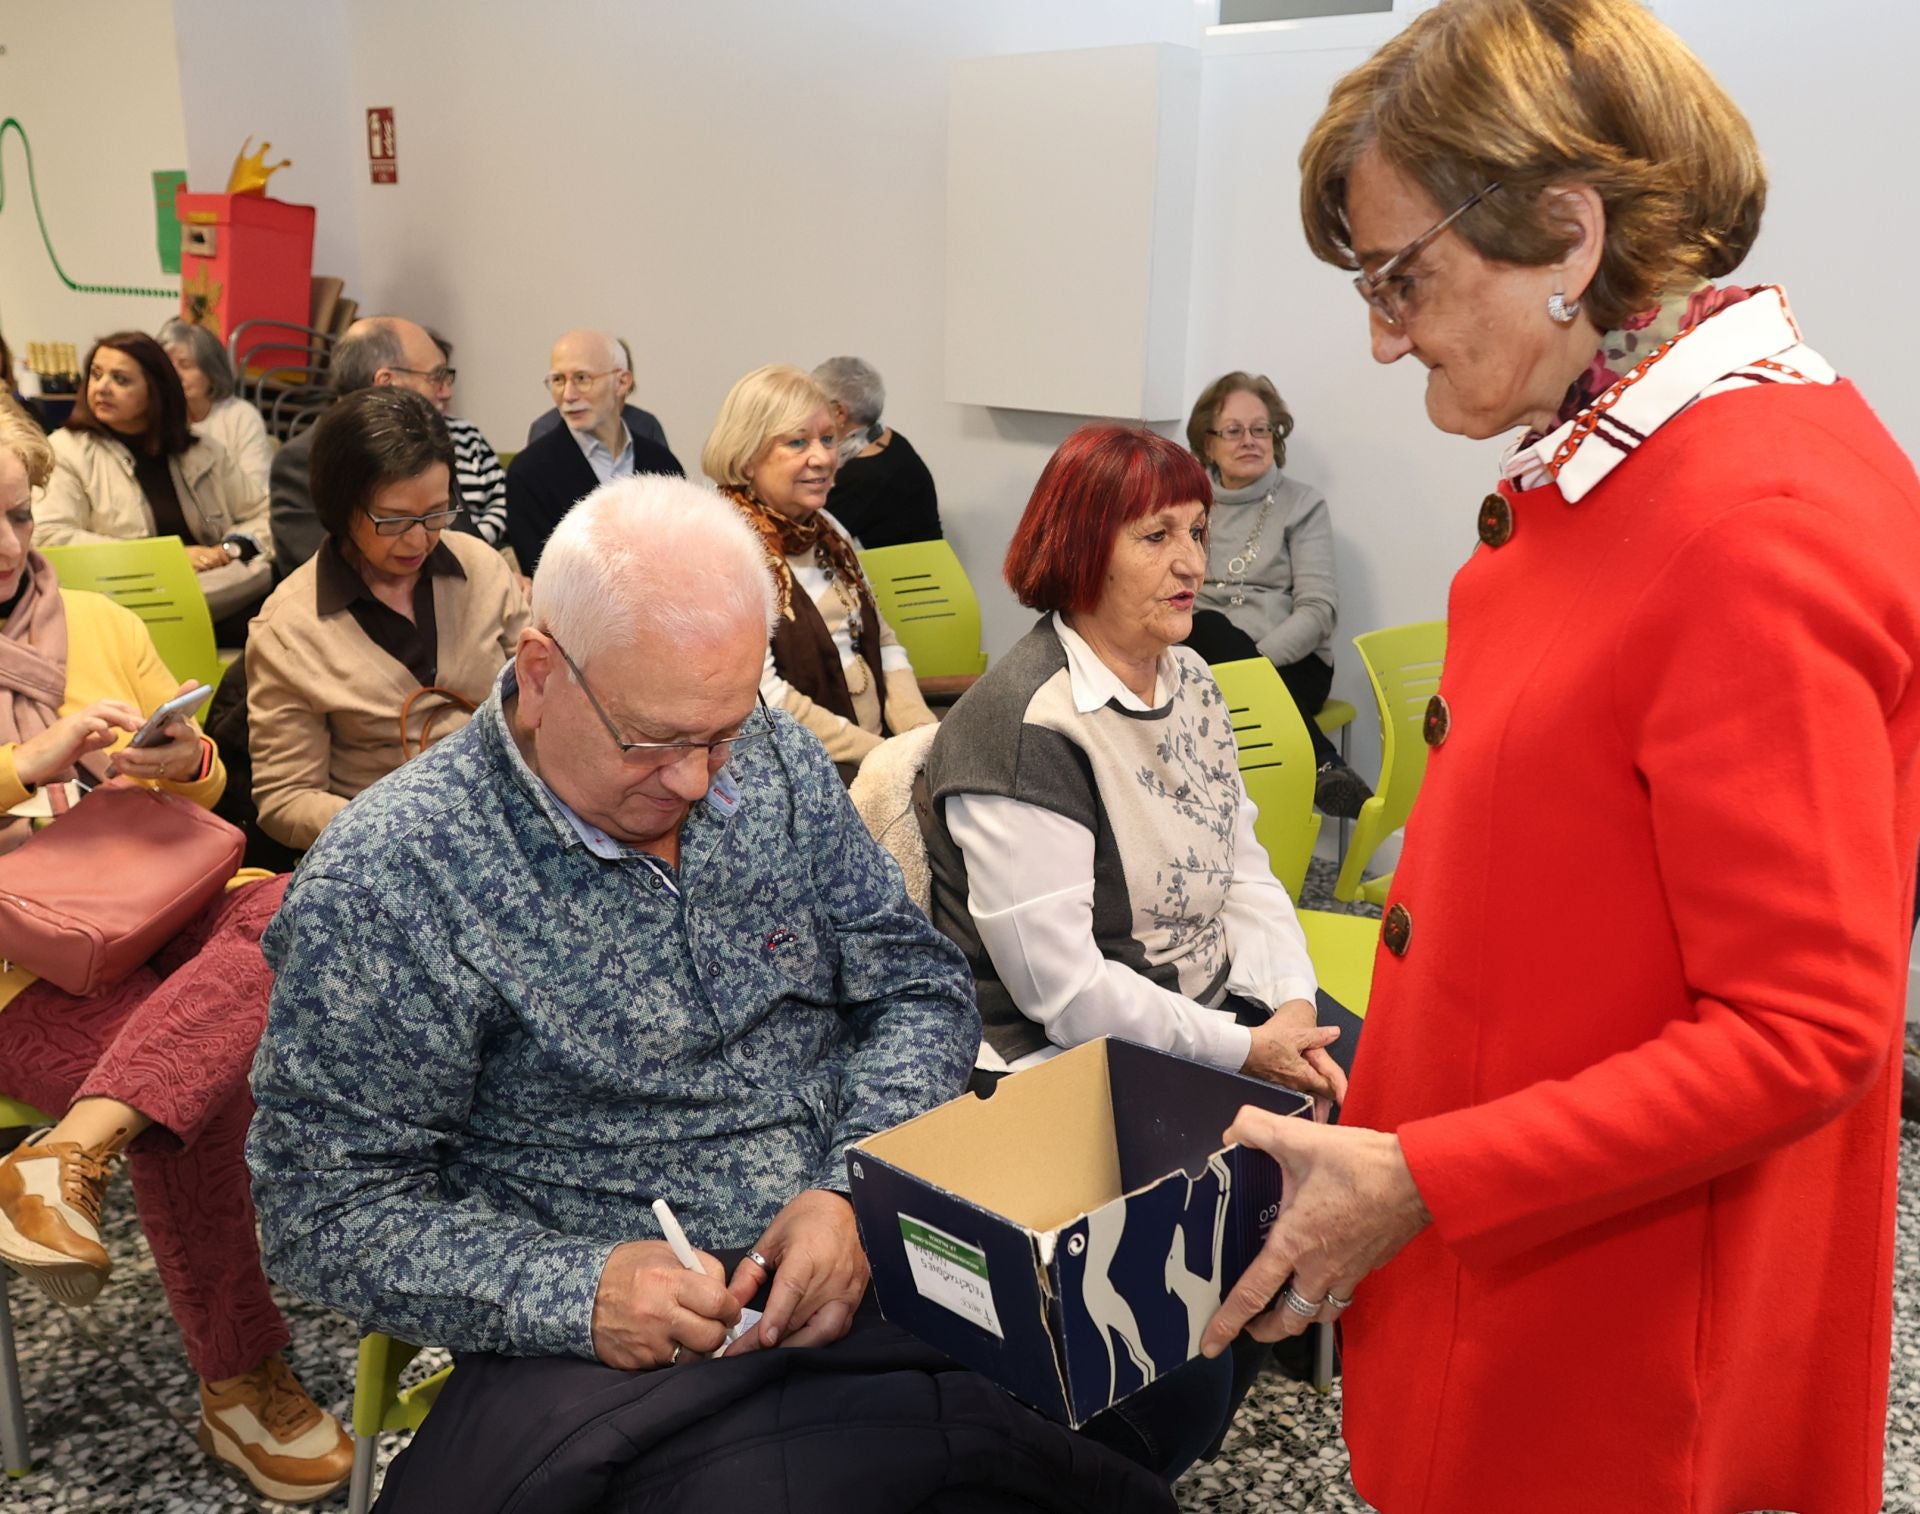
pixel 380 1404
pixel 151 577
pixel 15 1454
pixel 1276 765
pixel 923 592
pixel 1403 665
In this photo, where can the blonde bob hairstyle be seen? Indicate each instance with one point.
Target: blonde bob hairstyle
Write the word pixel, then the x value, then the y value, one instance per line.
pixel 1534 93
pixel 1216 394
pixel 26 441
pixel 768 402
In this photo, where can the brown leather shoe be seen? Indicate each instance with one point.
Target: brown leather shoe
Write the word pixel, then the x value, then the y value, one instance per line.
pixel 50 1196
pixel 264 1424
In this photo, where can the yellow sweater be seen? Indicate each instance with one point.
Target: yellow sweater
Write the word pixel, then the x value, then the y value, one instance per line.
pixel 109 656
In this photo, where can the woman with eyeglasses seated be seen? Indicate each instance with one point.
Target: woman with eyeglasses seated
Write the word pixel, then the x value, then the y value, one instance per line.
pixel 834 663
pixel 385 639
pixel 1270 589
pixel 127 465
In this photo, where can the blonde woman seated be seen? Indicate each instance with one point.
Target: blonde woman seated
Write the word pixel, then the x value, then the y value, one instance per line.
pixel 128 465
pixel 834 663
pixel 386 638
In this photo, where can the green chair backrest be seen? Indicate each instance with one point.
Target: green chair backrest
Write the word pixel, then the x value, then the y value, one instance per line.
pixel 152 578
pixel 1276 764
pixel 923 593
pixel 1403 665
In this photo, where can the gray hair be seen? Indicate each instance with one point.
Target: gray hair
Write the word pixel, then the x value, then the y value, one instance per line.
pixel 651 552
pixel 368 346
pixel 207 354
pixel 855 384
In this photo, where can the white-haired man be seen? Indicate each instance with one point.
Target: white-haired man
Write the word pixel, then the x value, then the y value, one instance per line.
pixel 622 939
pixel 589 380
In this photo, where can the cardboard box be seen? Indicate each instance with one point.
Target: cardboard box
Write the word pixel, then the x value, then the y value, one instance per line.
pixel 1070 1236
pixel 246 258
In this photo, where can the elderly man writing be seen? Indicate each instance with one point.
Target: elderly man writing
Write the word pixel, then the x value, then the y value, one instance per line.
pixel 623 938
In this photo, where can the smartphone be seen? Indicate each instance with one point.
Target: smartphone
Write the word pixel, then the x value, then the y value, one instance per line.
pixel 180 704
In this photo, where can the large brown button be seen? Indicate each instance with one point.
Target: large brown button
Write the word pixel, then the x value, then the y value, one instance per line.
pixel 1437 721
pixel 1397 930
pixel 1496 520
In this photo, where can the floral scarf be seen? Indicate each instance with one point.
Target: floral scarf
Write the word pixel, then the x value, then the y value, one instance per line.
pixel 1636 336
pixel 786 537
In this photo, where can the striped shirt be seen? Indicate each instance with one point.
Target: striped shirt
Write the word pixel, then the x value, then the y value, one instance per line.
pixel 483 482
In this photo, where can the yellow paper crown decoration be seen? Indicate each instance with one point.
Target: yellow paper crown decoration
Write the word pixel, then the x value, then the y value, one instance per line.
pixel 250 174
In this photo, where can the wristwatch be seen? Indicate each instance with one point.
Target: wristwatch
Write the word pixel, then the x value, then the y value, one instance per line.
pixel 232 549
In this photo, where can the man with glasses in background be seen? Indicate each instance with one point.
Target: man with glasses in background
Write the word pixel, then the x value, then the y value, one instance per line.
pixel 622 938
pixel 589 381
pixel 377 350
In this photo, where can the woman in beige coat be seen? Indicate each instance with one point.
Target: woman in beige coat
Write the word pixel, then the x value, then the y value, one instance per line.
pixel 127 465
pixel 382 641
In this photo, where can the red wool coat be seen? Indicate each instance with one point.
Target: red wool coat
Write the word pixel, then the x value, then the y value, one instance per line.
pixel 1640 1046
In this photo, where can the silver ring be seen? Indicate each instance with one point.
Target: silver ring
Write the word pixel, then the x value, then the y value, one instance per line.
pixel 1339 1302
pixel 1300 1306
pixel 674 1360
pixel 759 1261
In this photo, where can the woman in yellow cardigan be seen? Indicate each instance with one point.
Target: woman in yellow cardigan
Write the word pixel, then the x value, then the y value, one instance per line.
pixel 153 1068
pixel 382 641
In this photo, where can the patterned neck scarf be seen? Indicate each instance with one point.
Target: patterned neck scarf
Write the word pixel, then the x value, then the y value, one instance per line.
pixel 832 553
pixel 1638 335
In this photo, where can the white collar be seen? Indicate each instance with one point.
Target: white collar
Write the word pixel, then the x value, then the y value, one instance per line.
pixel 1095 685
pixel 1753 342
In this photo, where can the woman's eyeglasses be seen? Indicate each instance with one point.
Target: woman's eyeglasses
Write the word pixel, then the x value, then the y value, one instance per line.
pixel 400 525
pixel 1260 433
pixel 1384 289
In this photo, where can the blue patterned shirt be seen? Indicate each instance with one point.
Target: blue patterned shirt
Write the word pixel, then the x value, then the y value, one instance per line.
pixel 492 1044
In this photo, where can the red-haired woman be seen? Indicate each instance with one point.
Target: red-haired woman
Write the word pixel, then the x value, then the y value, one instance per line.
pixel 1091 844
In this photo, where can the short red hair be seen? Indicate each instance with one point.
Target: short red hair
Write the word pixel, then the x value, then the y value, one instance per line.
pixel 1100 478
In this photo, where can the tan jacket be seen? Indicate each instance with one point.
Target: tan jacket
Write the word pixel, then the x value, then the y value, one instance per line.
pixel 323 702
pixel 93 496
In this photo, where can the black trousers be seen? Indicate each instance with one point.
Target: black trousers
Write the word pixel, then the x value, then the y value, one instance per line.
pixel 1309 680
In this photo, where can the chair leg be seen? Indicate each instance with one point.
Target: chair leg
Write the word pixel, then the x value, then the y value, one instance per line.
pixel 13 1410
pixel 1323 1359
pixel 1345 823
pixel 360 1488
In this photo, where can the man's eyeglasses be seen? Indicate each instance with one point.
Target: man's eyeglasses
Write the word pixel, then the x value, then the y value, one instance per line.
pixel 756 726
pixel 441 377
pixel 579 378
pixel 1233 433
pixel 400 525
pixel 1385 290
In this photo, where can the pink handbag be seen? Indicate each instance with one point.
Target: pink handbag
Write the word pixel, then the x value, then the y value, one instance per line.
pixel 100 890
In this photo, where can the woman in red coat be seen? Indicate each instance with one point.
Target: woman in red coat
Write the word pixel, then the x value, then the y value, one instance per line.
pixel 1613 1198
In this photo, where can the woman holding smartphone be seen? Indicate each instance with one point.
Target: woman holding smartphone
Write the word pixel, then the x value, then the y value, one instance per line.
pixel 154 1068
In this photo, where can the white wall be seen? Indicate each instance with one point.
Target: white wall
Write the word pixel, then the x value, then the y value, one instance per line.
pixel 95 87
pixel 278 71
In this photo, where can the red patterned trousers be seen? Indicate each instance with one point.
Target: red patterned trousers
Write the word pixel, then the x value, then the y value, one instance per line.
pixel 175 1040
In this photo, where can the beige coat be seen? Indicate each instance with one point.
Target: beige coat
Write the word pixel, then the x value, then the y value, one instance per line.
pixel 324 703
pixel 93 496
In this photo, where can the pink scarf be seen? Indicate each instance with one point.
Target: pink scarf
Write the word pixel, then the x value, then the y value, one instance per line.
pixel 33 676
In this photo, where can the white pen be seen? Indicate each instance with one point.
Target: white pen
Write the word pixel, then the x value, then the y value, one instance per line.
pixel 683 1254
pixel 676 1237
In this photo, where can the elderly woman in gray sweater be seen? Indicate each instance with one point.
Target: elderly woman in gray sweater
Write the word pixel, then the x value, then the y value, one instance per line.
pixel 1270 589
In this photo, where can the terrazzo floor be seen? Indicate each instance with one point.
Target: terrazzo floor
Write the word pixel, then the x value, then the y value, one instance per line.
pixel 111 1406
